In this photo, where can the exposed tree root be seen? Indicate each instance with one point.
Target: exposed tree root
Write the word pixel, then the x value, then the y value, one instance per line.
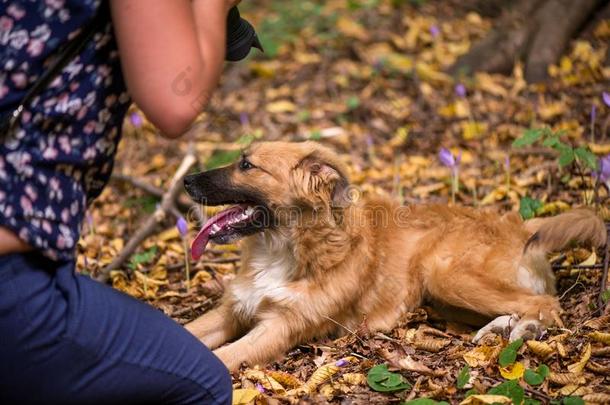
pixel 535 31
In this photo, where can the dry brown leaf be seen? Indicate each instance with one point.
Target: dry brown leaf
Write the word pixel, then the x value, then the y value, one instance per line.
pixel 540 349
pixel 486 399
pixel 431 345
pixel 598 368
pixel 268 382
pixel 286 379
pixel 600 337
pixel 579 366
pixel 567 378
pixel 481 355
pixel 597 398
pixel 354 378
pixel 598 323
pixel 571 389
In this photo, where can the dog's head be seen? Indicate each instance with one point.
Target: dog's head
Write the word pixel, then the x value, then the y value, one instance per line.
pixel 269 181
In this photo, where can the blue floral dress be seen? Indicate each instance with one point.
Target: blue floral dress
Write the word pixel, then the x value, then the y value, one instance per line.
pixel 60 155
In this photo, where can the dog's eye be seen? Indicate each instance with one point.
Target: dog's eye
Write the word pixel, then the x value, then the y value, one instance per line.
pixel 245 165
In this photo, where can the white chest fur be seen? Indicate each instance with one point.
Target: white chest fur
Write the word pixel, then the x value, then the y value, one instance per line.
pixel 271 266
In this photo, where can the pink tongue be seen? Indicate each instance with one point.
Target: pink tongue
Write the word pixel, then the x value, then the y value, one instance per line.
pixel 220 219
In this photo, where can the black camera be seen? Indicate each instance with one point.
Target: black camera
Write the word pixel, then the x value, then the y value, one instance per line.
pixel 241 37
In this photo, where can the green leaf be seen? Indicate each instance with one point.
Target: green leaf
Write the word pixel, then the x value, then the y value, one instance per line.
pixel 586 157
pixel 573 401
pixel 544 370
pixel 470 392
pixel 353 102
pixel 510 389
pixel 536 377
pixel 222 158
pixel 463 377
pixel 424 401
pixel 529 137
pixel 528 207
pixel 315 135
pixel 605 296
pixel 142 258
pixel 382 380
pixel 508 355
pixel 566 156
pixel 532 378
pixel 531 401
pixel 552 142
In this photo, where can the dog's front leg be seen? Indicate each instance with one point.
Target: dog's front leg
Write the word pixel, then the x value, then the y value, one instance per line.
pixel 214 328
pixel 267 340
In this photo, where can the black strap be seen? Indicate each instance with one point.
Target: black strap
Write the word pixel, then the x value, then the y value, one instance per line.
pixel 64 55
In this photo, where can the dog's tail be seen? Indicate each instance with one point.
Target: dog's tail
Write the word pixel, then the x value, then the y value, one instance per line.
pixel 580 225
pixel 552 234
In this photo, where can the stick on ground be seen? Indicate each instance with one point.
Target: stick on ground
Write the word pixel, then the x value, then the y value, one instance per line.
pixel 152 223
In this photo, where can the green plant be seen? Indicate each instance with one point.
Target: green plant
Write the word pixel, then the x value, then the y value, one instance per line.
pixel 508 355
pixel 528 207
pixel 382 380
pixel 142 258
pixel 510 389
pixel 536 377
pixel 580 157
pixel 463 377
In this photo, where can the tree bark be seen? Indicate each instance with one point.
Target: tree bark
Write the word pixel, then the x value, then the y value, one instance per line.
pixel 535 31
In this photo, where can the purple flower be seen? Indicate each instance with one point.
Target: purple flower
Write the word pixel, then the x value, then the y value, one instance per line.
pixel 434 31
pixel 446 157
pixel 507 163
pixel 182 226
pixel 460 90
pixel 341 363
pixel 136 119
pixel 260 388
pixel 593 113
pixel 604 169
pixel 244 119
pixel 606 98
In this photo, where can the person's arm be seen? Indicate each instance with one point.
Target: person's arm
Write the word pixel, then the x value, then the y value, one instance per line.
pixel 172 54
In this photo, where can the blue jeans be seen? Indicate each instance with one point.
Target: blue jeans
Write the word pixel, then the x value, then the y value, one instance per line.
pixel 66 339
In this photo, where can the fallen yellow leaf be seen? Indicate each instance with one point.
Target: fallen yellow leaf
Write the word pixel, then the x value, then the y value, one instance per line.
pixel 245 396
pixel 281 106
pixel 512 372
pixel 486 399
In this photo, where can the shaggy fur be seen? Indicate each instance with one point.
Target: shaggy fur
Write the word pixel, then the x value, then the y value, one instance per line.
pixel 344 261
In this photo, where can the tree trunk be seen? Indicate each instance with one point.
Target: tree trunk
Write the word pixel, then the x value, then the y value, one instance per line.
pixel 535 31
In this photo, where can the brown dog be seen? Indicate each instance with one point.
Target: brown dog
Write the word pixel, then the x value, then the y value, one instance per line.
pixel 316 261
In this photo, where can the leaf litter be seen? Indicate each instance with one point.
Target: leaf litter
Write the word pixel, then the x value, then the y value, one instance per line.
pixel 367 78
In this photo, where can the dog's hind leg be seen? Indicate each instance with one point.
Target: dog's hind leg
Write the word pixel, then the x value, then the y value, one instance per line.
pixel 214 328
pixel 528 313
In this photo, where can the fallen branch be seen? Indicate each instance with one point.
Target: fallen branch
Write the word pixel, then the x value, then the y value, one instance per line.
pixel 151 225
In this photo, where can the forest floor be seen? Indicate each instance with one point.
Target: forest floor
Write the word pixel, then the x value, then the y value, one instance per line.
pixel 365 77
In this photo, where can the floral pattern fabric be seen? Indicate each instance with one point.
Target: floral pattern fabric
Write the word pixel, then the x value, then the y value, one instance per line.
pixel 61 153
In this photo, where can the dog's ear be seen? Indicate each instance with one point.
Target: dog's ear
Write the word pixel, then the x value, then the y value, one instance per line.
pixel 323 179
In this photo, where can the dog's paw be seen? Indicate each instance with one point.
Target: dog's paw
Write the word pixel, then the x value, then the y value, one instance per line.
pixel 502 325
pixel 527 329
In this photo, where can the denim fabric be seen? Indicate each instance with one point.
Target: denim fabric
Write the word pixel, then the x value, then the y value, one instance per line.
pixel 66 339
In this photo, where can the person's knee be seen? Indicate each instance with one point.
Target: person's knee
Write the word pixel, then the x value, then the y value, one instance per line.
pixel 214 383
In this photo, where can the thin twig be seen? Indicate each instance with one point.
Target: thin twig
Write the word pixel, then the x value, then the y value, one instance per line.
pixel 151 225
pixel 186 310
